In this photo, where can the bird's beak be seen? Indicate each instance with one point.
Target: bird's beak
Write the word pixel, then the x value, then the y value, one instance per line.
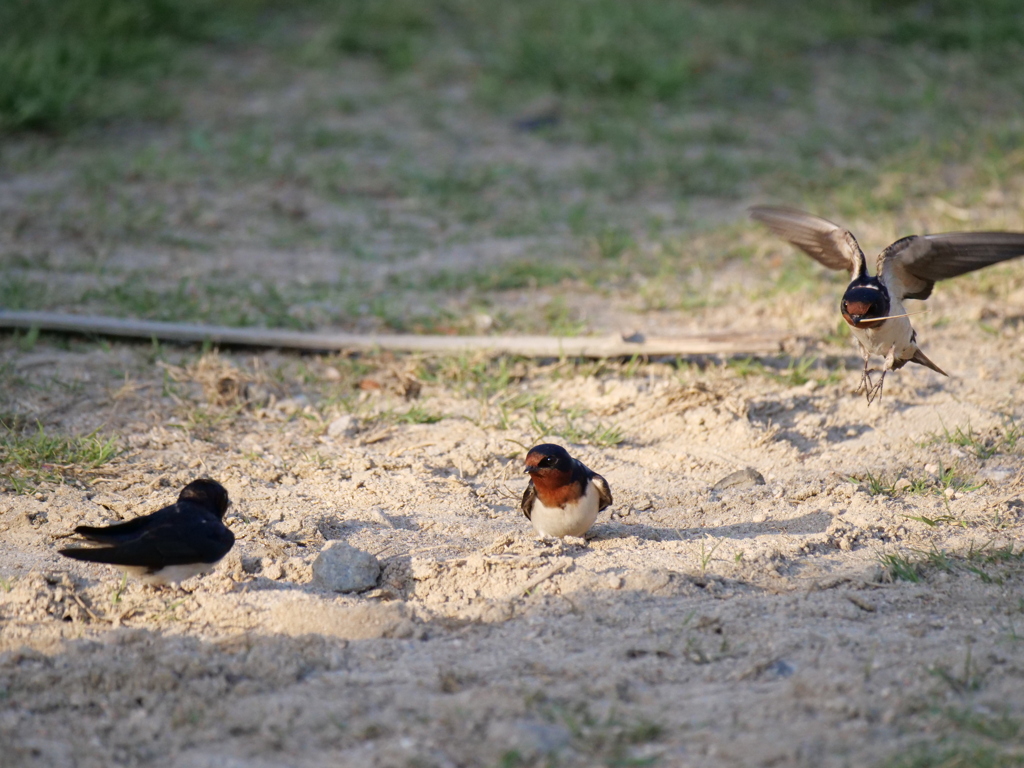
pixel 530 470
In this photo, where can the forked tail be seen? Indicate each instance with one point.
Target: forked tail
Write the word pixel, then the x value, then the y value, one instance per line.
pixel 920 359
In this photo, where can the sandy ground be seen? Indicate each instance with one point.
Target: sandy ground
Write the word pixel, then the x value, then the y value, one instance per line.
pixel 758 625
pixel 749 626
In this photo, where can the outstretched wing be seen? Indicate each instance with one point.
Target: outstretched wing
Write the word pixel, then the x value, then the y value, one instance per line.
pixel 825 242
pixel 912 265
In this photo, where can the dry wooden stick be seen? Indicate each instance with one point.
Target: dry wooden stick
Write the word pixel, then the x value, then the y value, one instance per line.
pixel 714 343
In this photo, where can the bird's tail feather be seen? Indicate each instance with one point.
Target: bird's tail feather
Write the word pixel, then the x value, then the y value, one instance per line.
pixel 93 555
pixel 920 359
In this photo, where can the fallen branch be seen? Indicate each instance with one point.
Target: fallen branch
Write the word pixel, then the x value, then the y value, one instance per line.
pixel 717 343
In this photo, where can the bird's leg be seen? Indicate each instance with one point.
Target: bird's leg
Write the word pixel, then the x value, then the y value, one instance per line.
pixel 876 390
pixel 890 361
pixel 865 378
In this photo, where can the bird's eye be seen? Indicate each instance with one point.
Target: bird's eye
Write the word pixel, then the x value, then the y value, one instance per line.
pixel 547 461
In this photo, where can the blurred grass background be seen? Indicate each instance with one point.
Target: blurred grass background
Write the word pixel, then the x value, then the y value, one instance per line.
pixel 435 155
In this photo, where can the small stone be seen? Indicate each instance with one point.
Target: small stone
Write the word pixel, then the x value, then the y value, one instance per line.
pixel 529 739
pixel 950 493
pixel 292 405
pixel 902 484
pixel 343 568
pixel 343 426
pixel 931 469
pixel 781 668
pixel 274 571
pixel 743 478
pixel 997 474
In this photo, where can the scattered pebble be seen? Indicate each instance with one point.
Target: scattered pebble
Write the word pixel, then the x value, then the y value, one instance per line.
pixel 743 478
pixel 529 740
pixel 343 426
pixel 343 568
pixel 996 474
pixel 781 668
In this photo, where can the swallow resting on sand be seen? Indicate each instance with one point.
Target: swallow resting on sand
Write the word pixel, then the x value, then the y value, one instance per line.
pixel 564 496
pixel 907 269
pixel 177 542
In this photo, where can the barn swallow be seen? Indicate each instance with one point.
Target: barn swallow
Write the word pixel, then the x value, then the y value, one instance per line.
pixel 873 305
pixel 177 542
pixel 564 496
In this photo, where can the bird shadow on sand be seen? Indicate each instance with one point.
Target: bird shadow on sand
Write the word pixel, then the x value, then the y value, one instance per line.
pixel 813 522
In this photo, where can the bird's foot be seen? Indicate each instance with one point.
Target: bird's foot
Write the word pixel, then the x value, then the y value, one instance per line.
pixel 874 392
pixel 871 389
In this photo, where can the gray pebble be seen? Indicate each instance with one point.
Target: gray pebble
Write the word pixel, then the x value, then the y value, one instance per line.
pixel 343 426
pixel 743 478
pixel 342 568
pixel 528 738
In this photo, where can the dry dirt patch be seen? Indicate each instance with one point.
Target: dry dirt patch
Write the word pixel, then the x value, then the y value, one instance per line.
pixel 754 625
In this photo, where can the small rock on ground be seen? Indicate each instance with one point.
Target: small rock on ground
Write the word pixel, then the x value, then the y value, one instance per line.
pixel 344 568
pixel 743 478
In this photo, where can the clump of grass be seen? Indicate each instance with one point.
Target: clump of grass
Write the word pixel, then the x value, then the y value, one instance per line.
pixel 899 483
pixel 1004 439
pixel 415 415
pixel 476 375
pixel 607 740
pixel 56 54
pixel 969 738
pixel 954 756
pixel 30 458
pixel 988 562
pixel 547 420
pixel 654 50
pixel 796 374
pixel 899 567
pixel 501 277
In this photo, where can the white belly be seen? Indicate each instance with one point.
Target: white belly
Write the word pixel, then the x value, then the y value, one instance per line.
pixel 571 520
pixel 172 574
pixel 896 333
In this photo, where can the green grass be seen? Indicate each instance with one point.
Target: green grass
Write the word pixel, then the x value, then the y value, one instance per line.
pixel 969 738
pixel 897 483
pixel 1002 440
pixel 500 277
pixel 657 49
pixel 415 415
pixel 609 740
pixel 28 458
pixel 956 756
pixel 59 57
pixel 992 564
pixel 657 105
pixel 797 373
pixel 899 567
pixel 546 419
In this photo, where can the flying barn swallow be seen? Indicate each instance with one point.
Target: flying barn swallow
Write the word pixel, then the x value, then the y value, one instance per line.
pixel 564 496
pixel 873 305
pixel 175 543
